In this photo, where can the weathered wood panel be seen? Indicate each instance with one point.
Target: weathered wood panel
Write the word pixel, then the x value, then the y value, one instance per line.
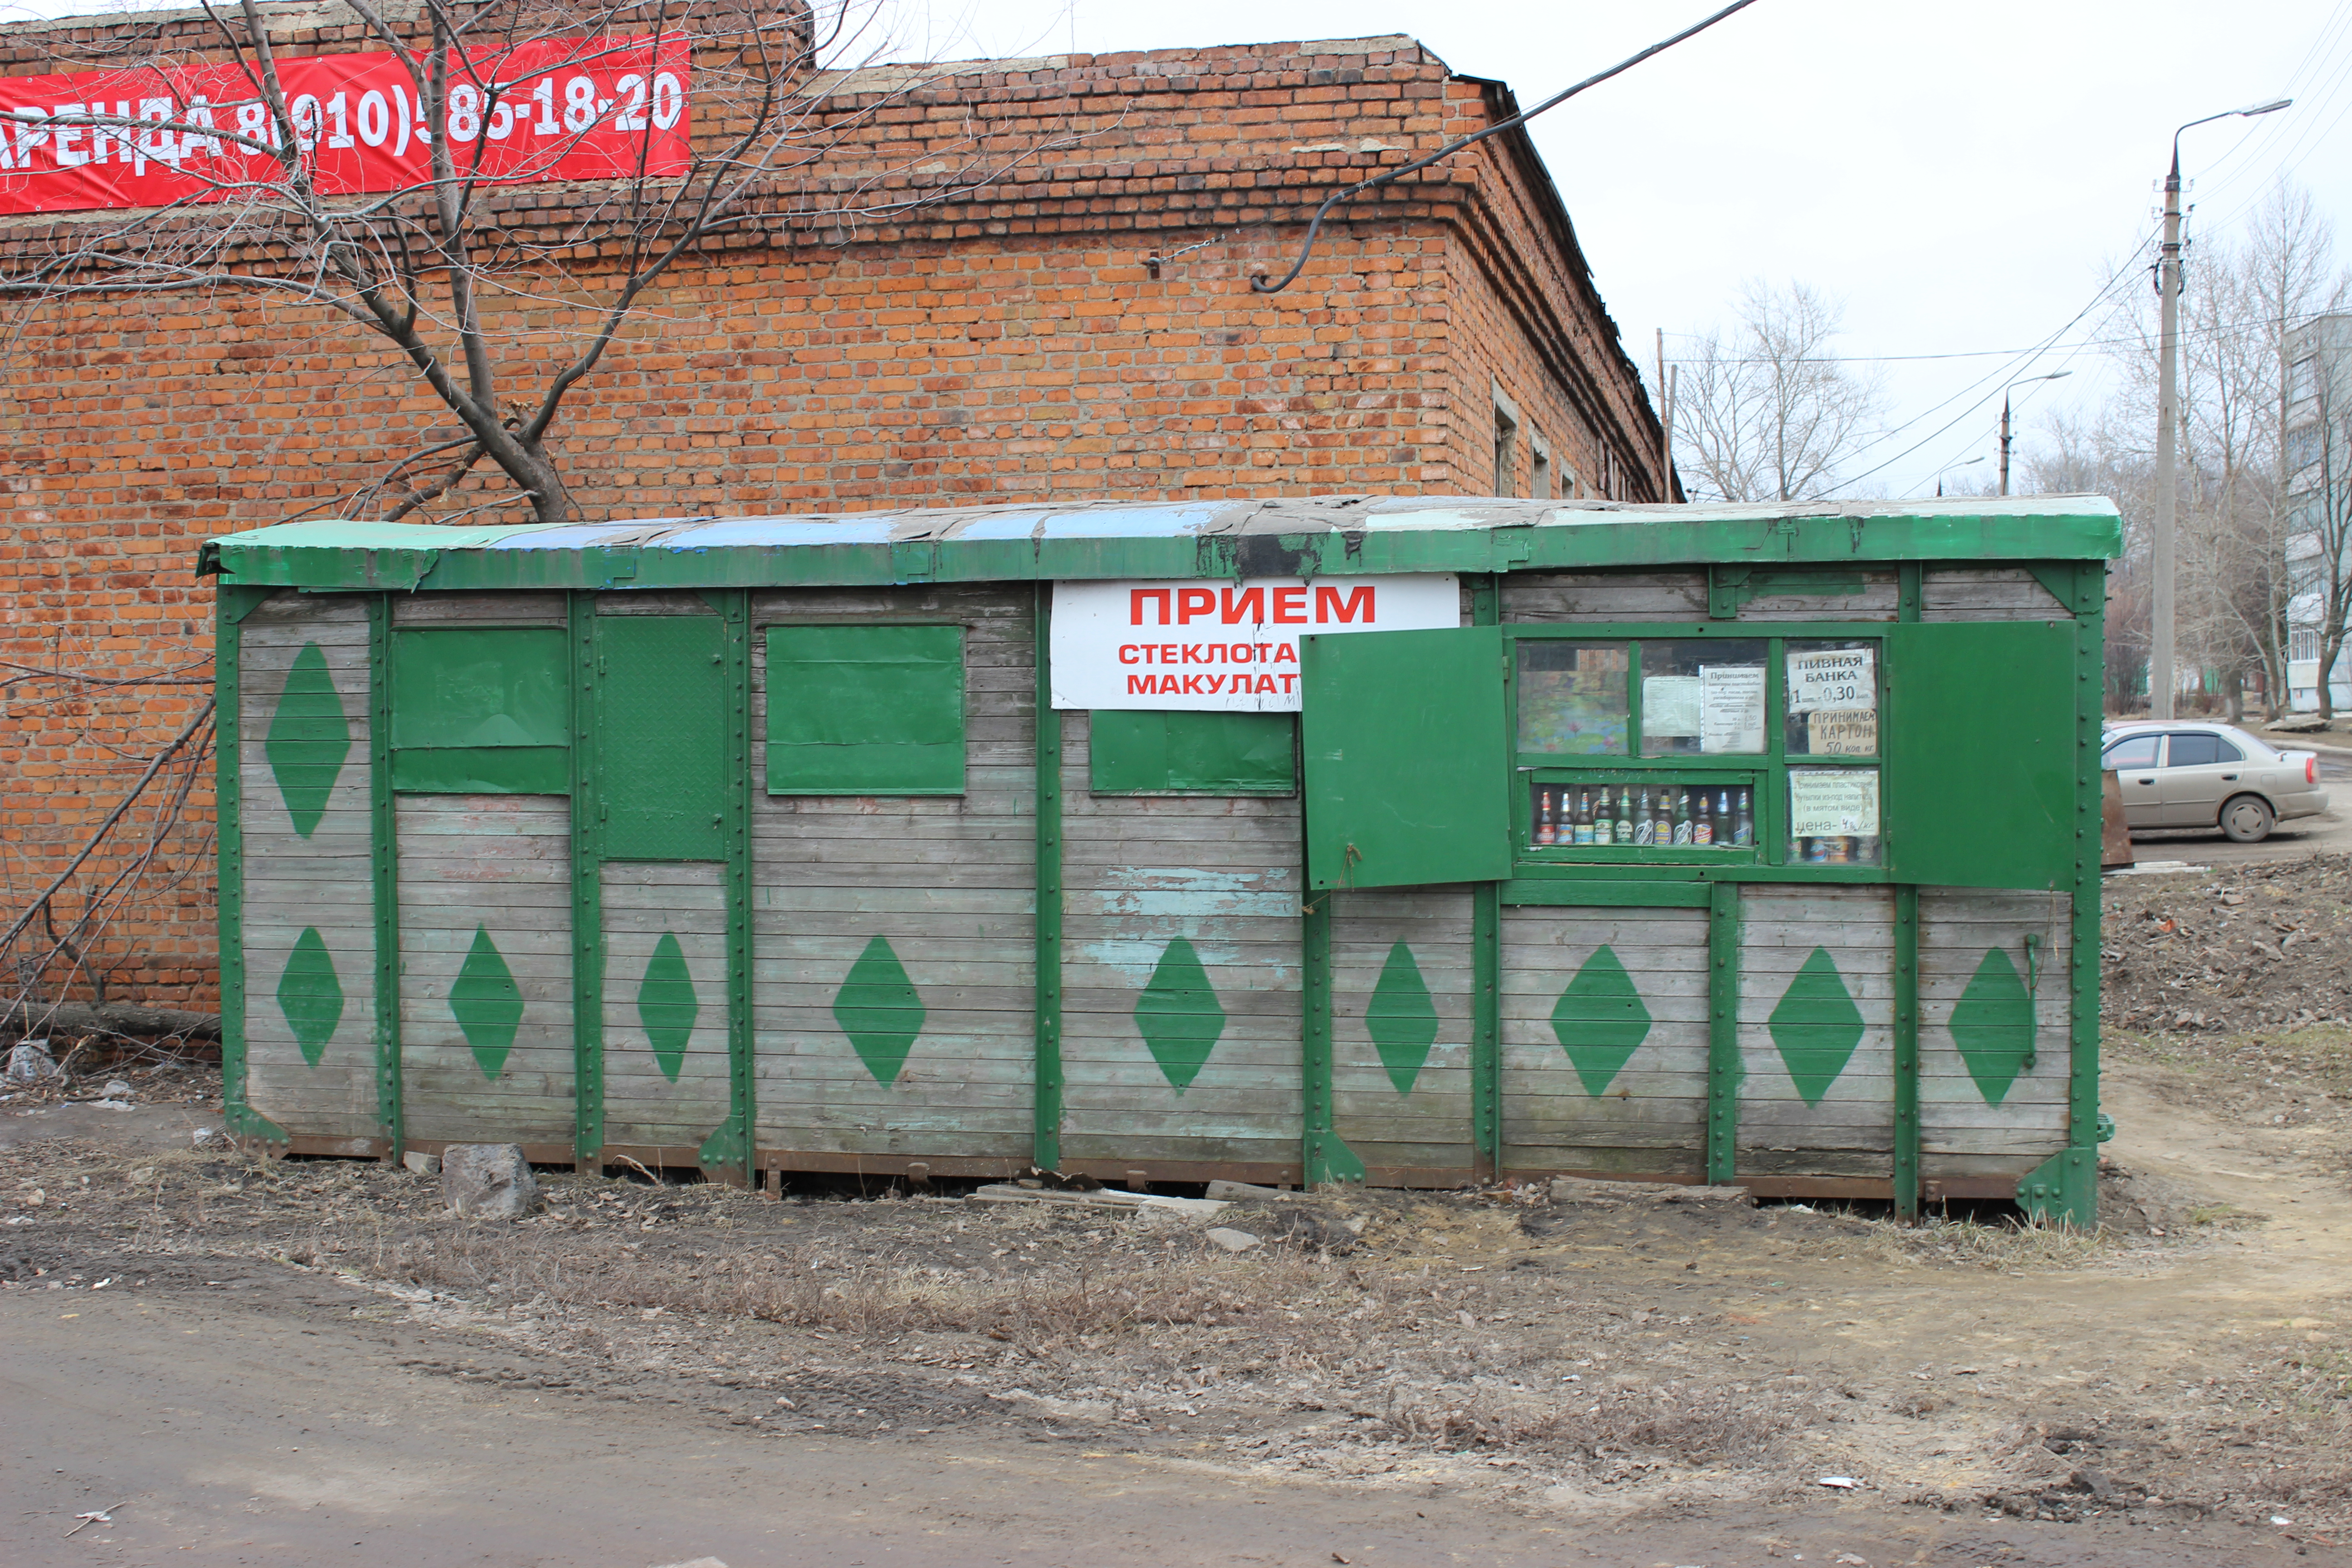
pixel 1986 594
pixel 1648 1115
pixel 1604 597
pixel 1831 1111
pixel 541 609
pixel 1879 599
pixel 671 1104
pixel 319 883
pixel 485 880
pixel 1402 969
pixel 942 887
pixel 1221 876
pixel 1962 1130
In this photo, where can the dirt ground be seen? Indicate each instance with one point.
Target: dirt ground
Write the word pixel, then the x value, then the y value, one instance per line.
pixel 274 1361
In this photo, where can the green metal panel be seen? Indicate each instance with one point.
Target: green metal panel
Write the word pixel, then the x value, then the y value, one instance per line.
pixel 483 770
pixel 1522 536
pixel 1047 1147
pixel 730 1147
pixel 876 710
pixel 382 852
pixel 1487 1030
pixel 1193 753
pixel 1724 1072
pixel 587 892
pixel 1981 780
pixel 477 687
pixel 662 737
pixel 1907 1052
pixel 1406 758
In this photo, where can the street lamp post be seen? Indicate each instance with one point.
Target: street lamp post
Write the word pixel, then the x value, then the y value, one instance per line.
pixel 2167 418
pixel 2022 380
pixel 1963 463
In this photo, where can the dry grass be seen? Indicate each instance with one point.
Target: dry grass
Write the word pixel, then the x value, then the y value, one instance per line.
pixel 1686 1424
pixel 2009 1247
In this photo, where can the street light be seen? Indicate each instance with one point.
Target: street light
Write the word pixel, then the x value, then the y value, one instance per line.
pixel 2168 417
pixel 1963 463
pixel 2021 381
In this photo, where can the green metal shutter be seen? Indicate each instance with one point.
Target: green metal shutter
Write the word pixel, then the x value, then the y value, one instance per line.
pixel 1407 758
pixel 1980 753
pixel 480 710
pixel 1192 753
pixel 866 710
pixel 661 736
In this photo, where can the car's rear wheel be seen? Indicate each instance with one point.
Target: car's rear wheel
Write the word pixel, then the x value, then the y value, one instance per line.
pixel 2246 819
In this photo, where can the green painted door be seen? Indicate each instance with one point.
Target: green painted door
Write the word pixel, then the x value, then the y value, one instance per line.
pixel 1981 752
pixel 661 736
pixel 1406 758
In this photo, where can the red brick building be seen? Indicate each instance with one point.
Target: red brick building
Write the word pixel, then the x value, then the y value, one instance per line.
pixel 1075 320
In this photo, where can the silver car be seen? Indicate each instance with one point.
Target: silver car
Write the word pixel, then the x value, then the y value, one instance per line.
pixel 2185 775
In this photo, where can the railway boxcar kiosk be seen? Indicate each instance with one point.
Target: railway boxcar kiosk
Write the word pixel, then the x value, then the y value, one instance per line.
pixel 1410 841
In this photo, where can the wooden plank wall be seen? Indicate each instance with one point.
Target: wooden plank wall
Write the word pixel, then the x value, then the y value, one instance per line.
pixel 1554 597
pixel 1961 1133
pixel 1880 599
pixel 1986 594
pixel 293 883
pixel 949 882
pixel 1222 872
pixel 499 865
pixel 1851 1130
pixel 1650 1119
pixel 1421 1135
pixel 643 1107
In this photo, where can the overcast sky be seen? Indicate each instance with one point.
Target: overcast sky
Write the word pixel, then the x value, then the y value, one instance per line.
pixel 1965 178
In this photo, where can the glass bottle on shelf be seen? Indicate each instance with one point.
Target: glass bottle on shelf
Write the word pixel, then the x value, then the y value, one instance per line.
pixel 1726 834
pixel 1743 826
pixel 1703 824
pixel 1583 824
pixel 1545 832
pixel 1604 826
pixel 1625 813
pixel 1645 829
pixel 1681 816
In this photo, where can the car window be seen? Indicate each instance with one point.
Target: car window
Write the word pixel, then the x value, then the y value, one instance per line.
pixel 2132 751
pixel 2196 749
pixel 2226 752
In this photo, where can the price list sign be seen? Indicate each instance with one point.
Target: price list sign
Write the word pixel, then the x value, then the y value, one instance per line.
pixel 559 109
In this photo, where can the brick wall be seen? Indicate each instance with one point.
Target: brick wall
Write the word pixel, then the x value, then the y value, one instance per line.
pixel 985 326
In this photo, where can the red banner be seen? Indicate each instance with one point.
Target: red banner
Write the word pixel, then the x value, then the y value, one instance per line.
pixel 583 109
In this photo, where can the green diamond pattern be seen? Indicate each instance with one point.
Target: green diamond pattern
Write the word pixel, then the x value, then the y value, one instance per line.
pixel 1816 1026
pixel 486 1003
pixel 309 739
pixel 1993 1027
pixel 879 1009
pixel 667 1005
pixel 1178 1015
pixel 311 995
pixel 1401 1019
pixel 1599 1020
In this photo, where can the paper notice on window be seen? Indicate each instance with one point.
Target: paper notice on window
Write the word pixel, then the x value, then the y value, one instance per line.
pixel 1731 708
pixel 1669 706
pixel 1842 734
pixel 1830 802
pixel 1833 680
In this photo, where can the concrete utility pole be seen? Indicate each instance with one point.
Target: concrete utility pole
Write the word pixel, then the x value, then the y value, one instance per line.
pixel 2160 681
pixel 1666 421
pixel 2027 381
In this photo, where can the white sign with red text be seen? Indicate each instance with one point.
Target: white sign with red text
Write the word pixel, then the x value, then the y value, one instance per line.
pixel 1226 647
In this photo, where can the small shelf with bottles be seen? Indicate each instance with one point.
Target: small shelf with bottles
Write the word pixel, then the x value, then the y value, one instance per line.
pixel 1650 815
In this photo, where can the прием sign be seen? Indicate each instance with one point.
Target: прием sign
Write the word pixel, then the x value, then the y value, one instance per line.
pixel 1226 647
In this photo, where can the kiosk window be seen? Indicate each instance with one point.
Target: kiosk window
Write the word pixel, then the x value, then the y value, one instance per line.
pixel 866 710
pixel 1703 695
pixel 1832 698
pixel 1574 697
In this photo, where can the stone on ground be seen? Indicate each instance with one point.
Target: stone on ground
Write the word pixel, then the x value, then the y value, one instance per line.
pixel 488 1180
pixel 1233 1240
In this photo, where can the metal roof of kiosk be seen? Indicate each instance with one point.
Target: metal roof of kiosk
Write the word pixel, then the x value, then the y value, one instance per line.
pixel 1270 537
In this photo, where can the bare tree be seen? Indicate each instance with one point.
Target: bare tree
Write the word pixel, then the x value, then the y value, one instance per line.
pixel 1765 411
pixel 2322 520
pixel 497 311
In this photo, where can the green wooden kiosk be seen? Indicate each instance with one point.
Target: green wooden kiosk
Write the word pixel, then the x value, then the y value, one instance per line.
pixel 1416 841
